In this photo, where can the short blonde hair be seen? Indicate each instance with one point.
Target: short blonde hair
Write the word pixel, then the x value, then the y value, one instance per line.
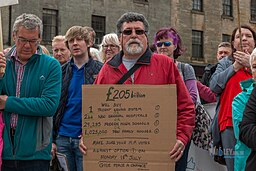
pixel 110 38
pixel 59 38
pixel 91 33
pixel 252 57
pixel 78 31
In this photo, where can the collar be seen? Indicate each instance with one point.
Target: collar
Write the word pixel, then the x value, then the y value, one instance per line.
pixel 71 61
pixel 12 54
pixel 144 59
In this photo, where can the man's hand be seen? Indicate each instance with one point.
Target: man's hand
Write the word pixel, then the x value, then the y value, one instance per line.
pixel 2 63
pixel 82 147
pixel 177 150
pixel 53 150
pixel 3 99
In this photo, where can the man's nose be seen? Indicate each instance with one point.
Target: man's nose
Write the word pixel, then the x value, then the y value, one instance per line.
pixel 59 52
pixel 134 33
pixel 75 41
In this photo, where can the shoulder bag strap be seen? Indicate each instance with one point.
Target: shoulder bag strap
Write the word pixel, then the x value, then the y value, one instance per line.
pixel 128 74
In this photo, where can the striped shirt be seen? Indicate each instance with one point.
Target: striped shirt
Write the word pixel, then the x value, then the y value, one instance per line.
pixel 20 69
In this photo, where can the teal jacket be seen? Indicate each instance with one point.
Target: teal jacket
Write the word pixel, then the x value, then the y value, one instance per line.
pixel 39 98
pixel 241 150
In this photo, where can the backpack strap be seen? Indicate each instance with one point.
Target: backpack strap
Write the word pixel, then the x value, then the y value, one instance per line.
pixel 182 68
pixel 128 74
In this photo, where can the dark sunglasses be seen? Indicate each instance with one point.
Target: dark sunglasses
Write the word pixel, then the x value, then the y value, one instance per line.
pixel 129 32
pixel 160 44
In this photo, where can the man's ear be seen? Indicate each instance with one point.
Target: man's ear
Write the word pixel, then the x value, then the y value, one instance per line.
pixel 13 37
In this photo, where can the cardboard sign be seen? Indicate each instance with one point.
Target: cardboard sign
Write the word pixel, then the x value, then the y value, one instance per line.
pixel 129 127
pixel 8 2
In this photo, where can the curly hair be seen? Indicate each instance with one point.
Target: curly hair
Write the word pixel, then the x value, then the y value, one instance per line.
pixel 130 17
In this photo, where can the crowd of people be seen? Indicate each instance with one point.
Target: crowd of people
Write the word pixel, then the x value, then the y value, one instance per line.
pixel 41 96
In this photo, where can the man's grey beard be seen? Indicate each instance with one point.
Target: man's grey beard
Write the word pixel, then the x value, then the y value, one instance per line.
pixel 131 50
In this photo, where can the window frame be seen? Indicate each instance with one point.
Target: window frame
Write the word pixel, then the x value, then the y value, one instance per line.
pixel 145 2
pixel 197 45
pixel 226 38
pixel 253 11
pixel 227 8
pixel 99 26
pixel 50 29
pixel 197 5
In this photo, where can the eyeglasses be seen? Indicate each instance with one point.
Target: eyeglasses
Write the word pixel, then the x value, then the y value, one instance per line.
pixel 160 44
pixel 31 42
pixel 110 46
pixel 129 32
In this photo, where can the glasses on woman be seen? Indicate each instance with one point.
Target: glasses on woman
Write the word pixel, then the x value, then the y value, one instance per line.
pixel 160 44
pixel 109 46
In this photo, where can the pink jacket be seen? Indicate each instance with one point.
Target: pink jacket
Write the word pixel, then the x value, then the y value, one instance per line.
pixel 1 137
pixel 156 69
pixel 206 93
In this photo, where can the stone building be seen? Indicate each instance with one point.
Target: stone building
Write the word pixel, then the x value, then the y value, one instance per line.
pixel 202 24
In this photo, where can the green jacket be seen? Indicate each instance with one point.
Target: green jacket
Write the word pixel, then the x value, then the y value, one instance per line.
pixel 39 98
pixel 238 105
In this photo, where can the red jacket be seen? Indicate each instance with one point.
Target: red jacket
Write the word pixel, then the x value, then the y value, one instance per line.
pixel 156 69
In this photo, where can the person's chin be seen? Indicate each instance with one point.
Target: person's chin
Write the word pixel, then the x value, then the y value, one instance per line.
pixel 26 55
pixel 163 53
pixel 77 53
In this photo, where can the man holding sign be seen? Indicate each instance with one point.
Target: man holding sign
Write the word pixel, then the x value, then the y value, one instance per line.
pixel 30 91
pixel 154 69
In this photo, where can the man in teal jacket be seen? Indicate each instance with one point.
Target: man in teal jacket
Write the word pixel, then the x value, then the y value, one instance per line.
pixel 30 92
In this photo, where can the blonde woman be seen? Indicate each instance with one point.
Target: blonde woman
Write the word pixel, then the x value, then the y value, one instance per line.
pixel 109 46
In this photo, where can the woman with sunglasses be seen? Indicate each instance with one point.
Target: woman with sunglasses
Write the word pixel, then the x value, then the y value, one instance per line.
pixel 168 42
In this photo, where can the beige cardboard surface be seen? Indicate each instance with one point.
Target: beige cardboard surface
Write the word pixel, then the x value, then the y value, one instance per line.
pixel 129 127
pixel 8 2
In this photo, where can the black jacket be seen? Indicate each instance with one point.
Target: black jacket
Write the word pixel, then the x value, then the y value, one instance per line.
pixel 248 130
pixel 92 68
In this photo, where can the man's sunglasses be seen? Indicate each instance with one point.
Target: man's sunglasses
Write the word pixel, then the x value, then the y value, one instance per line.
pixel 129 32
pixel 160 44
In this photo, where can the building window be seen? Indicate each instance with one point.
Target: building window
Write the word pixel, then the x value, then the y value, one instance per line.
pixel 226 38
pixel 141 1
pixel 197 45
pixel 98 24
pixel 197 5
pixel 50 25
pixel 253 10
pixel 227 7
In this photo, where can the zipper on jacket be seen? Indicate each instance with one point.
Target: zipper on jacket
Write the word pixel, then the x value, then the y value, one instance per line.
pixel 11 132
pixel 22 120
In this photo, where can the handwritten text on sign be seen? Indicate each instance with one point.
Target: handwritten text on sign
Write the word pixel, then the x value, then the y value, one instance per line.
pixel 129 127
